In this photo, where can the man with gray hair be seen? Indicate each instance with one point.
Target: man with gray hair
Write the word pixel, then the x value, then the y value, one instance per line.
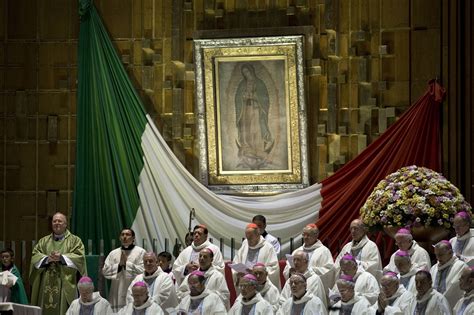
pixel 393 297
pixel 465 305
pixel 320 257
pixel 446 272
pixel 89 302
pixel 160 286
pixel 463 242
pixel 313 282
pixel 249 300
pixel 364 250
pixel 301 301
pixel 418 255
pixel 407 270
pixel 142 303
pixel 350 302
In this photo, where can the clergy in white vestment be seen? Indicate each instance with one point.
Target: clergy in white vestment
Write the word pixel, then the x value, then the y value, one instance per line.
pixel 121 266
pixel 215 281
pixel 188 259
pixel 406 269
pixel 418 255
pixel 200 301
pixel 446 272
pixel 320 257
pixel 465 306
pixel 365 284
pixel 250 302
pixel 428 300
pixel 364 250
pixel 265 287
pixel 142 303
pixel 261 222
pixel 89 302
pixel 463 242
pixel 350 302
pixel 301 301
pixel 394 299
pixel 255 249
pixel 313 283
pixel 160 286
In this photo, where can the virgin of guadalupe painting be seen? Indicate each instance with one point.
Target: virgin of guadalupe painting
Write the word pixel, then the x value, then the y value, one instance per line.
pixel 253 125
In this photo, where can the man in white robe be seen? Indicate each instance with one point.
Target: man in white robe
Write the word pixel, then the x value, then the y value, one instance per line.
pixel 463 242
pixel 200 301
pixel 160 286
pixel 89 302
pixel 261 222
pixel 394 299
pixel 301 301
pixel 419 256
pixel 407 270
pixel 314 285
pixel 265 287
pixel 142 303
pixel 188 259
pixel 255 249
pixel 320 257
pixel 446 272
pixel 428 300
pixel 465 305
pixel 250 301
pixel 365 283
pixel 215 281
pixel 364 250
pixel 121 266
pixel 350 302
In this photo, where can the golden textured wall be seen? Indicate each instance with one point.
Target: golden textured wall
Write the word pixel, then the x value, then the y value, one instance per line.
pixel 366 61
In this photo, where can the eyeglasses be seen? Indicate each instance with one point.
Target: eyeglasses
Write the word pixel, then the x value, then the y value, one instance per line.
pixel 246 285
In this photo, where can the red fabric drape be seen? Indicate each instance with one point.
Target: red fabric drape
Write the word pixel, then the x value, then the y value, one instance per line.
pixel 414 139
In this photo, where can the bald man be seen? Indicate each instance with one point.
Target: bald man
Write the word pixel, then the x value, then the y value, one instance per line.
pixel 364 250
pixel 463 242
pixel 320 257
pixel 465 305
pixel 314 285
pixel 446 272
pixel 160 286
pixel 142 303
pixel 255 249
pixel 215 281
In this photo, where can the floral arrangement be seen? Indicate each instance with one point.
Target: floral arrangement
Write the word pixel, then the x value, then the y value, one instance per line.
pixel 413 196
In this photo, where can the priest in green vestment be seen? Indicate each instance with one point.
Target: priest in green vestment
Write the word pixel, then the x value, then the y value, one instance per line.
pixel 57 261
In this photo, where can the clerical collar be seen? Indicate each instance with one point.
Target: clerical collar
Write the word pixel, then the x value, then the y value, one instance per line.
pixel 130 247
pixel 297 299
pixel 250 299
pixel 4 268
pixel 58 237
pixel 264 234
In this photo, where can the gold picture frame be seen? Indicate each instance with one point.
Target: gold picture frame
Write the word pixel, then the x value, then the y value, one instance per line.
pixel 251 114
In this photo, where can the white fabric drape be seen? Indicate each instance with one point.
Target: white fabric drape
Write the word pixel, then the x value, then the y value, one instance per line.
pixel 168 192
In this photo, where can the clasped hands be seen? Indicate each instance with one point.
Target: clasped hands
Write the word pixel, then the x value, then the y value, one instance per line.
pixel 54 257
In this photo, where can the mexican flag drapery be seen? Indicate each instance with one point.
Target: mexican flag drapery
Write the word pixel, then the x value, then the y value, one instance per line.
pixel 126 175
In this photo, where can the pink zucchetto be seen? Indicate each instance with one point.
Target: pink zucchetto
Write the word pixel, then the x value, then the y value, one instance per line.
pixel 140 284
pixel 250 277
pixel 402 253
pixel 391 274
pixel 403 231
pixel 312 226
pixel 348 256
pixel 197 273
pixel 259 264
pixel 252 226
pixel 347 278
pixel 463 214
pixel 85 279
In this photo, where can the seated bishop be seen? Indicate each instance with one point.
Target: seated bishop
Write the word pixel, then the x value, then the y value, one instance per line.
pixel 142 303
pixel 418 255
pixel 350 303
pixel 89 302
pixel 250 301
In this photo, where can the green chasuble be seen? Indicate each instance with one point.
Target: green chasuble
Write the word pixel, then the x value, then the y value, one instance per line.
pixel 18 293
pixel 54 285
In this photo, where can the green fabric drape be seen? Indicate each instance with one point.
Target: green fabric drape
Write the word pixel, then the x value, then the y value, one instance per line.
pixel 110 122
